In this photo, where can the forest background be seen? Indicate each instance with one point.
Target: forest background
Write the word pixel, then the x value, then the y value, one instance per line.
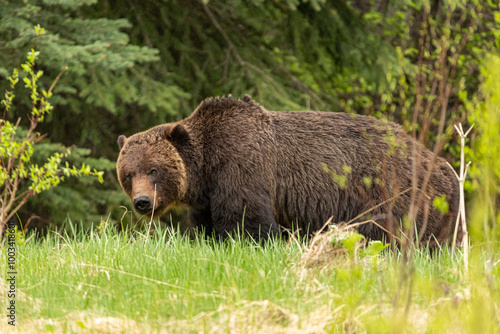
pixel 135 64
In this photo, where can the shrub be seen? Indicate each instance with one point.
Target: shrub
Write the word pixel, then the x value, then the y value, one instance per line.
pixel 20 177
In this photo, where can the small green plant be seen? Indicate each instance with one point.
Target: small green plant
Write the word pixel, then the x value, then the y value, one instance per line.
pixel 20 178
pixel 353 242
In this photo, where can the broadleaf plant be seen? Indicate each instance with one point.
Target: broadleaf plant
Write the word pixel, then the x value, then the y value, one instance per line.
pixel 20 177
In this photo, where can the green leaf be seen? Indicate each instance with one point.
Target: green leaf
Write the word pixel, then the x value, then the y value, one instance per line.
pixel 27 82
pixel 81 325
pixel 50 327
pixel 375 247
pixel 351 242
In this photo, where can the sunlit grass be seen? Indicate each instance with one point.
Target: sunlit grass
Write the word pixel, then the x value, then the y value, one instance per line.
pixel 168 282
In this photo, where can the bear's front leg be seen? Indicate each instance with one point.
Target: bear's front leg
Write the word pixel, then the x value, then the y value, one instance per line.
pixel 237 207
pixel 201 218
pixel 200 215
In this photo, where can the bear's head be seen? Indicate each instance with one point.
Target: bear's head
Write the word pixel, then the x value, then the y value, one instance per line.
pixel 150 169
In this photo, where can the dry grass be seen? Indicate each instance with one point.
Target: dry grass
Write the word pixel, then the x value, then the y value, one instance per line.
pixel 21 297
pixel 244 317
pixel 325 250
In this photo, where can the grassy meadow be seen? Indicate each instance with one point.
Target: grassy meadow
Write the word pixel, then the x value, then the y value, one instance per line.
pixel 162 281
pixel 76 280
pixel 118 68
pixel 110 282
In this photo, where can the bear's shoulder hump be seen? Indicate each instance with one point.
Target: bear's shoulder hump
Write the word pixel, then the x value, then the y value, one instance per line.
pixel 220 105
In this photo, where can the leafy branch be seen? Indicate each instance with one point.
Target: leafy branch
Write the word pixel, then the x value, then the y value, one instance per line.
pixel 20 178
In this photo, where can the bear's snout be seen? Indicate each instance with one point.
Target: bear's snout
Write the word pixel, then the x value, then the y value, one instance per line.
pixel 142 204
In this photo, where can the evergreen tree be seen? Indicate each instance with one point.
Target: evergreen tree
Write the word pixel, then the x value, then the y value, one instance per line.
pixel 134 64
pixel 104 73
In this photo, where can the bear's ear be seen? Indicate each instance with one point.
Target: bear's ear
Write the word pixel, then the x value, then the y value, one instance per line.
pixel 121 141
pixel 177 134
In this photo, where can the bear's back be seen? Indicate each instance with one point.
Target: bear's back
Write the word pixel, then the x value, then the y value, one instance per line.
pixel 315 165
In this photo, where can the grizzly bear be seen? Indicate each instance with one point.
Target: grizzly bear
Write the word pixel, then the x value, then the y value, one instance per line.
pixel 239 167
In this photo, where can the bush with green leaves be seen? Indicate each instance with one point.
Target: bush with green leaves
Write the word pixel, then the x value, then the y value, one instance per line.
pixel 134 65
pixel 485 156
pixel 20 177
pixel 106 91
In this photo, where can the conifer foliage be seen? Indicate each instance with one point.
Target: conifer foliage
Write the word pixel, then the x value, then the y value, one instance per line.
pixel 134 64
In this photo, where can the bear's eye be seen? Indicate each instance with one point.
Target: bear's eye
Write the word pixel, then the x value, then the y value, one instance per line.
pixel 127 179
pixel 153 172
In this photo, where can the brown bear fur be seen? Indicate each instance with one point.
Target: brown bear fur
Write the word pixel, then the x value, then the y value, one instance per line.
pixel 238 166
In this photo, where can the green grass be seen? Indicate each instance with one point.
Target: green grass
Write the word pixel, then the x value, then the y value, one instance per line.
pixel 111 283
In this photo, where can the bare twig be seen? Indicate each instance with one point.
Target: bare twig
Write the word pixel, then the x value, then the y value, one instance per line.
pixel 461 207
pixel 152 212
pixel 378 205
pixel 57 79
pixel 223 33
